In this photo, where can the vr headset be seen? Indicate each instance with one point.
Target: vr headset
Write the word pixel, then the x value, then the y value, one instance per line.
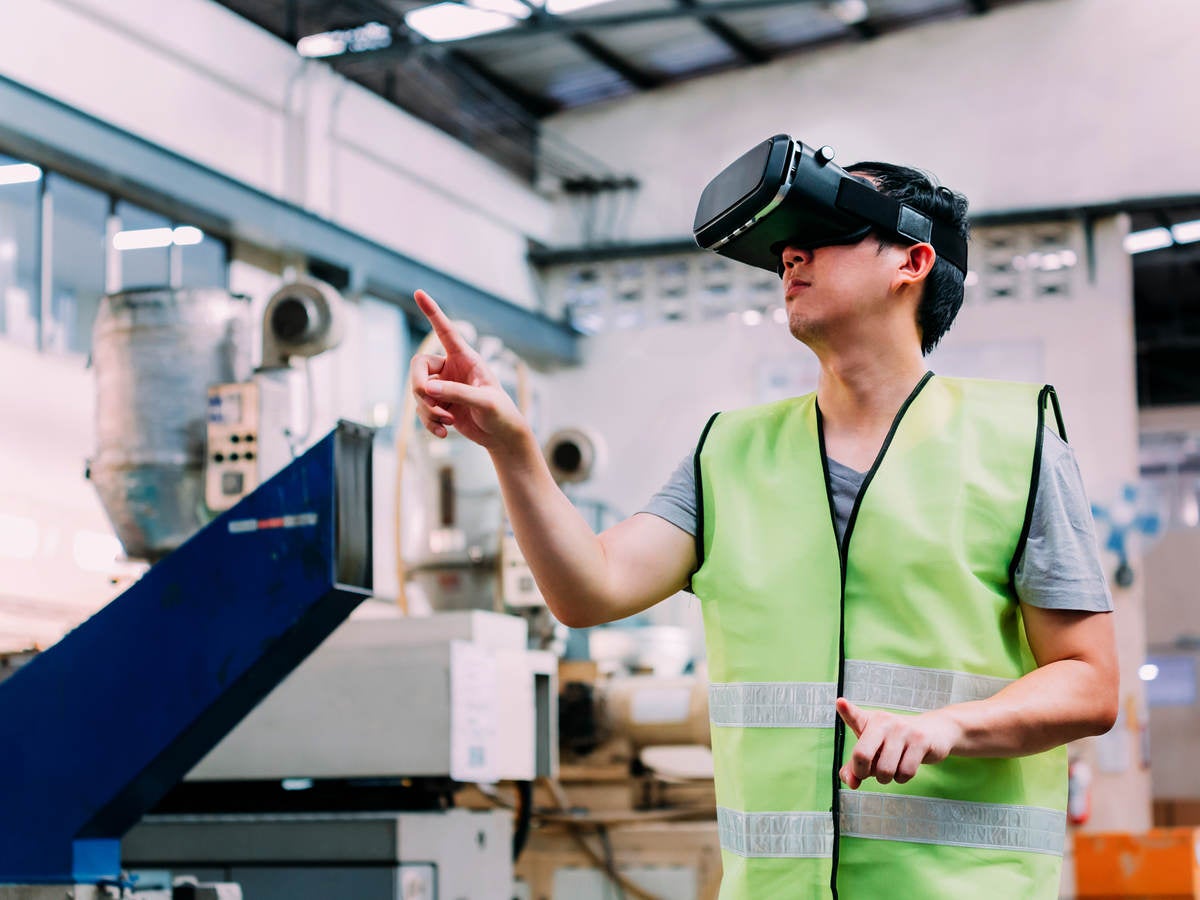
pixel 784 192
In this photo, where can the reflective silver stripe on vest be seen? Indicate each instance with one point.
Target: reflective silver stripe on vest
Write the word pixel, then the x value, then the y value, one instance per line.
pixel 776 704
pixel 809 704
pixel 914 688
pixel 961 823
pixel 778 834
pixel 893 817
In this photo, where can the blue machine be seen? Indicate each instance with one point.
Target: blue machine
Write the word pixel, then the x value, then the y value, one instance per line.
pixel 97 729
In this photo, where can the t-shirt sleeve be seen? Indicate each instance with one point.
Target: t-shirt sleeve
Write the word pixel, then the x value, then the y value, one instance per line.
pixel 1060 567
pixel 676 501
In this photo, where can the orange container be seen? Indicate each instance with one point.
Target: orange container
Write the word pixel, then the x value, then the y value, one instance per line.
pixel 1160 863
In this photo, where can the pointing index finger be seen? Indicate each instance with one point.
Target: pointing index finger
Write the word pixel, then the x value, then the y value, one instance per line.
pixel 852 716
pixel 451 340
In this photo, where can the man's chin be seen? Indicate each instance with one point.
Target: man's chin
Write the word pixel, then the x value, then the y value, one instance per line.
pixel 804 330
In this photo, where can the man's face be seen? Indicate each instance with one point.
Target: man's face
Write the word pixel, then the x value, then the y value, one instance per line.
pixel 837 289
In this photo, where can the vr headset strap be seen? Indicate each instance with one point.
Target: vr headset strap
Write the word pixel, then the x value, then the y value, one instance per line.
pixel 902 220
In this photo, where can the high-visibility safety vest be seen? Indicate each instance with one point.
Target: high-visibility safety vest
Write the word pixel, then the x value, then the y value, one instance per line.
pixel 915 610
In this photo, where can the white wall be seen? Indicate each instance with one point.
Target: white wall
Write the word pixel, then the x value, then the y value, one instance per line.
pixel 1059 102
pixel 203 82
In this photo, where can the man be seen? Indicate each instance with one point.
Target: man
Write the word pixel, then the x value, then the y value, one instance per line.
pixel 905 556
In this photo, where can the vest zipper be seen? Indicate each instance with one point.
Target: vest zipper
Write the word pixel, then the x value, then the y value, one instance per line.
pixel 839 727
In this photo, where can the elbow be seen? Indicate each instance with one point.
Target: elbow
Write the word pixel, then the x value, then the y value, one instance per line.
pixel 572 618
pixel 1106 710
pixel 1106 715
pixel 1100 722
pixel 575 615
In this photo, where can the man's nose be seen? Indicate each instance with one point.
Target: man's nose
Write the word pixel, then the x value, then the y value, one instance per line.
pixel 792 256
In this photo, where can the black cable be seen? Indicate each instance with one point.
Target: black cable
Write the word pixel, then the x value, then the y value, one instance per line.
pixel 524 817
pixel 610 861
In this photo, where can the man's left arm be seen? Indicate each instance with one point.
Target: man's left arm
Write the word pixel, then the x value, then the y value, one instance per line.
pixel 1072 693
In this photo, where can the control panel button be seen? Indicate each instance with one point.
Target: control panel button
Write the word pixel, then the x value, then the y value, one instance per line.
pixel 232 483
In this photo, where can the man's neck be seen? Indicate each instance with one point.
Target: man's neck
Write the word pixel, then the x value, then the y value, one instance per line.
pixel 860 391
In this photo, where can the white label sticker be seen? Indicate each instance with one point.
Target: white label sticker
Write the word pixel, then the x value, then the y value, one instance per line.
pixel 474 713
pixel 243 526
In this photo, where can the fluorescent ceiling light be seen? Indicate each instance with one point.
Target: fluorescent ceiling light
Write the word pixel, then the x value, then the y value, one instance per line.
pixel 19 173
pixel 186 235
pixel 150 238
pixel 558 7
pixel 1186 232
pixel 318 45
pixel 453 21
pixel 1150 239
pixel 372 36
pixel 849 12
pixel 514 9
pixel 143 239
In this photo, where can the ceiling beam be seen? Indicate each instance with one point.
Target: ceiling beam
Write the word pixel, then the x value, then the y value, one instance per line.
pixel 562 25
pixel 747 51
pixel 865 30
pixel 291 20
pixel 639 78
pixel 531 104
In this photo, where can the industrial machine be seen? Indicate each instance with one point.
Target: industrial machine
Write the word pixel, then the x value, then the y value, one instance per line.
pixel 253 424
pixel 101 725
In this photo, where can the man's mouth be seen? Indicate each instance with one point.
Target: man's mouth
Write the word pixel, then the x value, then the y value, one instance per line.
pixel 794 287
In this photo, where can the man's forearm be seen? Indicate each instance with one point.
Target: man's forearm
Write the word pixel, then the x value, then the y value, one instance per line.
pixel 1054 704
pixel 563 553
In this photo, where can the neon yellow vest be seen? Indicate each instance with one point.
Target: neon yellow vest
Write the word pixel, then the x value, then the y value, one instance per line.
pixel 915 611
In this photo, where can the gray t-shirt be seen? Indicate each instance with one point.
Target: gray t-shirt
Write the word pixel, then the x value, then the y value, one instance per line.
pixel 1060 568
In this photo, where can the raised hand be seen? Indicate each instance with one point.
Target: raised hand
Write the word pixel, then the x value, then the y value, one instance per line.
pixel 892 747
pixel 457 390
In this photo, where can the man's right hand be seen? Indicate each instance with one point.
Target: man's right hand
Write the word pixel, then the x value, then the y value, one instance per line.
pixel 585 579
pixel 457 390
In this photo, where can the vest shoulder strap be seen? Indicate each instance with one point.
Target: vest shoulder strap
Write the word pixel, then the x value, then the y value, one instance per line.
pixel 1047 396
pixel 699 488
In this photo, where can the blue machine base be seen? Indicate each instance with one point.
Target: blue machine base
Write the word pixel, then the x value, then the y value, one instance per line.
pixel 94 731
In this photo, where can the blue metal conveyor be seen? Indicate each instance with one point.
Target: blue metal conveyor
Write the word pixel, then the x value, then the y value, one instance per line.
pixel 97 729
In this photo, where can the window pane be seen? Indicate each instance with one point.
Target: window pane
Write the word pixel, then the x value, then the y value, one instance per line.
pixel 141 265
pixel 204 265
pixel 386 362
pixel 77 254
pixel 20 199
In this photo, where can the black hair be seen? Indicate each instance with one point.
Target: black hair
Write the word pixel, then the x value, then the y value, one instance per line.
pixel 943 294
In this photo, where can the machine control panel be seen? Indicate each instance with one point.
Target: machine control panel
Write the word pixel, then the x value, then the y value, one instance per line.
pixel 232 467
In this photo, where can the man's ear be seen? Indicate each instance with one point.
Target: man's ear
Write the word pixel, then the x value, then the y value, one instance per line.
pixel 917 264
